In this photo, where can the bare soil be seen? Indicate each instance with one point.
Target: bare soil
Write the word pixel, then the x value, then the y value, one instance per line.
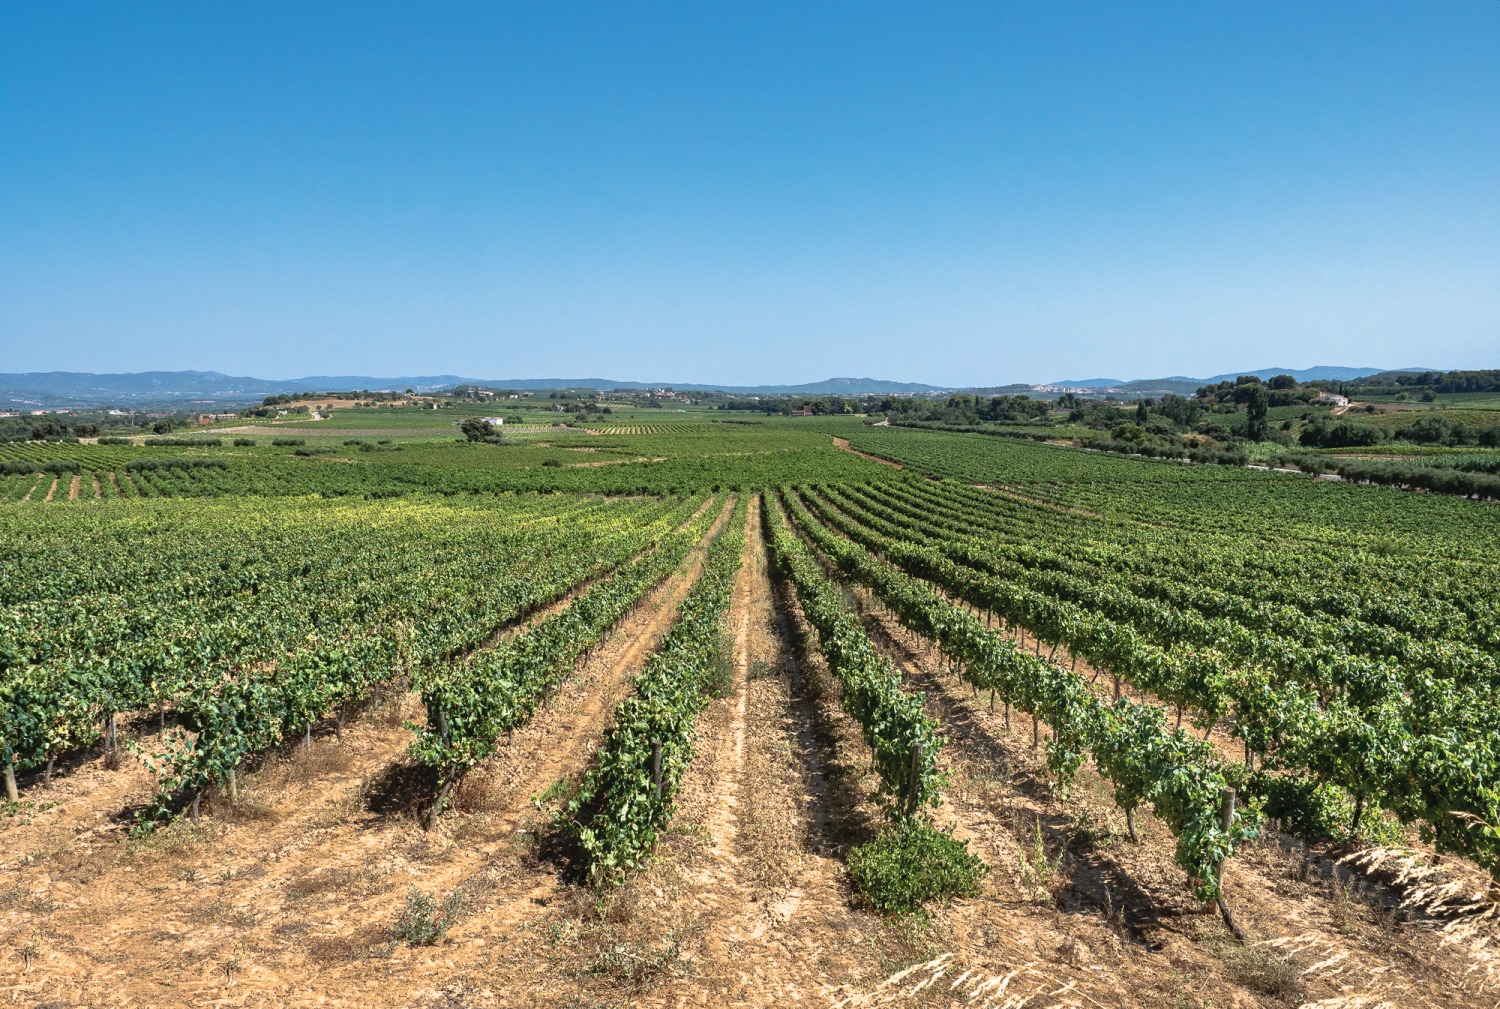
pixel 288 896
pixel 843 443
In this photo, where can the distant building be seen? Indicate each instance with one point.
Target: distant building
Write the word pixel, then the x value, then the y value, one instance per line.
pixel 1332 399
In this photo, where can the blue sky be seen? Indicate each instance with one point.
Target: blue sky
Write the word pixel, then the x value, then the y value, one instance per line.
pixel 952 193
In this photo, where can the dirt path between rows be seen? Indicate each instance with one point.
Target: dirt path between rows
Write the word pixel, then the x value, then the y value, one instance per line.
pixel 843 443
pixel 749 883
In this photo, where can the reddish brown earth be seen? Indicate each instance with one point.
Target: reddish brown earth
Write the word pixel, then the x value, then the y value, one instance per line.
pixel 843 443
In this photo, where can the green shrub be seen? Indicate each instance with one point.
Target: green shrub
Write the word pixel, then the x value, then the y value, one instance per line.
pixel 905 867
pixel 420 922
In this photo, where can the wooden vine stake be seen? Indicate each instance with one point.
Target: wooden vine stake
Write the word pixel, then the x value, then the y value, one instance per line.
pixel 656 768
pixel 1226 813
pixel 911 779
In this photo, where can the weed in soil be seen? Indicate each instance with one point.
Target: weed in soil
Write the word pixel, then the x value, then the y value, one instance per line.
pixel 1041 871
pixel 904 868
pixel 422 921
pixel 1262 969
pixel 636 964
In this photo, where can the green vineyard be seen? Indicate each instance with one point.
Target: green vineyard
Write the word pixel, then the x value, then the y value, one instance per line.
pixel 591 655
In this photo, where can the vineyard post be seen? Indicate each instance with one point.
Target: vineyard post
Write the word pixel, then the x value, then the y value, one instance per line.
pixel 911 782
pixel 1226 813
pixel 11 793
pixel 656 768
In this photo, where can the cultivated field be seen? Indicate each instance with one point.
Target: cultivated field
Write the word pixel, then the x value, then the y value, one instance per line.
pixel 678 710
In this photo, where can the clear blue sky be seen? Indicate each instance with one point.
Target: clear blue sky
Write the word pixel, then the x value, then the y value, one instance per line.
pixel 951 193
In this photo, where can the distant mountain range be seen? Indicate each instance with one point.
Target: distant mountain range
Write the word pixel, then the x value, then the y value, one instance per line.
pixel 178 389
pixel 78 390
pixel 1175 383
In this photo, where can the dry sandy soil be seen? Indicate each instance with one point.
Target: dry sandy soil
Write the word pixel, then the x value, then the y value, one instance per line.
pixel 288 896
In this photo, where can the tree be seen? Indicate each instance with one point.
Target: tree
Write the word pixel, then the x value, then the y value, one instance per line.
pixel 163 426
pixel 477 429
pixel 1282 382
pixel 1256 406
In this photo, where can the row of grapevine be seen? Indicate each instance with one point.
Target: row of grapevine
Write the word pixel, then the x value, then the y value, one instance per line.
pixel 1437 771
pixel 243 654
pixel 1180 777
pixel 470 704
pixel 626 797
pixel 247 712
pixel 902 736
pixel 679 460
pixel 1222 605
pixel 1333 551
pixel 1326 667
